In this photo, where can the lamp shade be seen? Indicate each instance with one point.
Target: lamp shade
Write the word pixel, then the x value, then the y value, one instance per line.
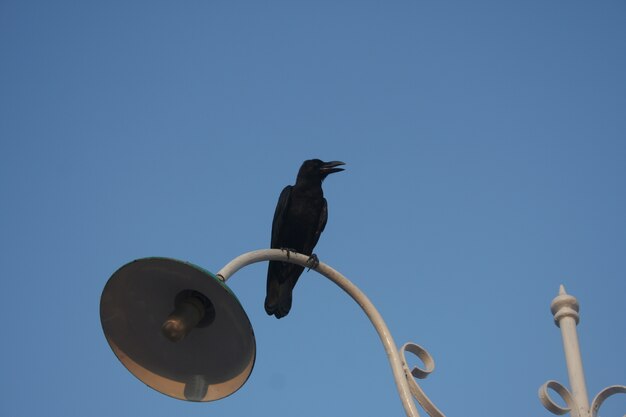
pixel 211 361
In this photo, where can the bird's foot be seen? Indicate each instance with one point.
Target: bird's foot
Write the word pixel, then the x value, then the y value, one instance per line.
pixel 288 251
pixel 313 262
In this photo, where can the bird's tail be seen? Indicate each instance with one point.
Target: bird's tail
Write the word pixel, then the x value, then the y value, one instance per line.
pixel 280 304
pixel 279 291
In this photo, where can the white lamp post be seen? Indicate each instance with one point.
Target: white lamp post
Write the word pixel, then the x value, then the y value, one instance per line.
pixel 162 317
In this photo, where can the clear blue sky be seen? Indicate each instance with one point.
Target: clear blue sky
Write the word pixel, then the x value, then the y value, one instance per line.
pixel 486 151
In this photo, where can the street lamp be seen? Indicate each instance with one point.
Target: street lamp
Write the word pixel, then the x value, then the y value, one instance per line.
pixel 180 330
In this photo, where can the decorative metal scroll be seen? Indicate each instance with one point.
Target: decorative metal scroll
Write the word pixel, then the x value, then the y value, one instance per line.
pixel 603 395
pixel 551 405
pixel 420 373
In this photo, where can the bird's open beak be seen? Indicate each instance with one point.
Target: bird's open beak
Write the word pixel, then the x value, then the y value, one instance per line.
pixel 331 167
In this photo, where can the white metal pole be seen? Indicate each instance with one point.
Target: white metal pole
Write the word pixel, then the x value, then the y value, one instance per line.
pixel 353 291
pixel 565 309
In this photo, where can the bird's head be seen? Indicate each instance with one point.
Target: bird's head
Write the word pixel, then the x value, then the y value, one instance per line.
pixel 313 169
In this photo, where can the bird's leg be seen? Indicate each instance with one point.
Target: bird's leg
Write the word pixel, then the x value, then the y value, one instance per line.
pixel 312 262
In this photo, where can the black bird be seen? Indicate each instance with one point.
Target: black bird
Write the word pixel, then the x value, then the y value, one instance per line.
pixel 299 219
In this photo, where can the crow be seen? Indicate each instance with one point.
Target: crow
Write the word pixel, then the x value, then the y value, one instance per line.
pixel 299 219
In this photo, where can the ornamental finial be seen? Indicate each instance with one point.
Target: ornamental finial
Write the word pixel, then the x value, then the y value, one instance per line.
pixel 564 305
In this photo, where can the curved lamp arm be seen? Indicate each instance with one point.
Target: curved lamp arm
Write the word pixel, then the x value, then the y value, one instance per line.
pixel 400 370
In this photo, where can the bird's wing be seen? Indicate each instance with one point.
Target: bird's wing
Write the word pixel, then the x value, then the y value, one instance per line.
pixel 279 214
pixel 321 224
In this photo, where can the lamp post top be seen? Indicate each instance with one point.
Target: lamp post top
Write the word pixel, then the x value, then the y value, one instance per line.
pixel 564 305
